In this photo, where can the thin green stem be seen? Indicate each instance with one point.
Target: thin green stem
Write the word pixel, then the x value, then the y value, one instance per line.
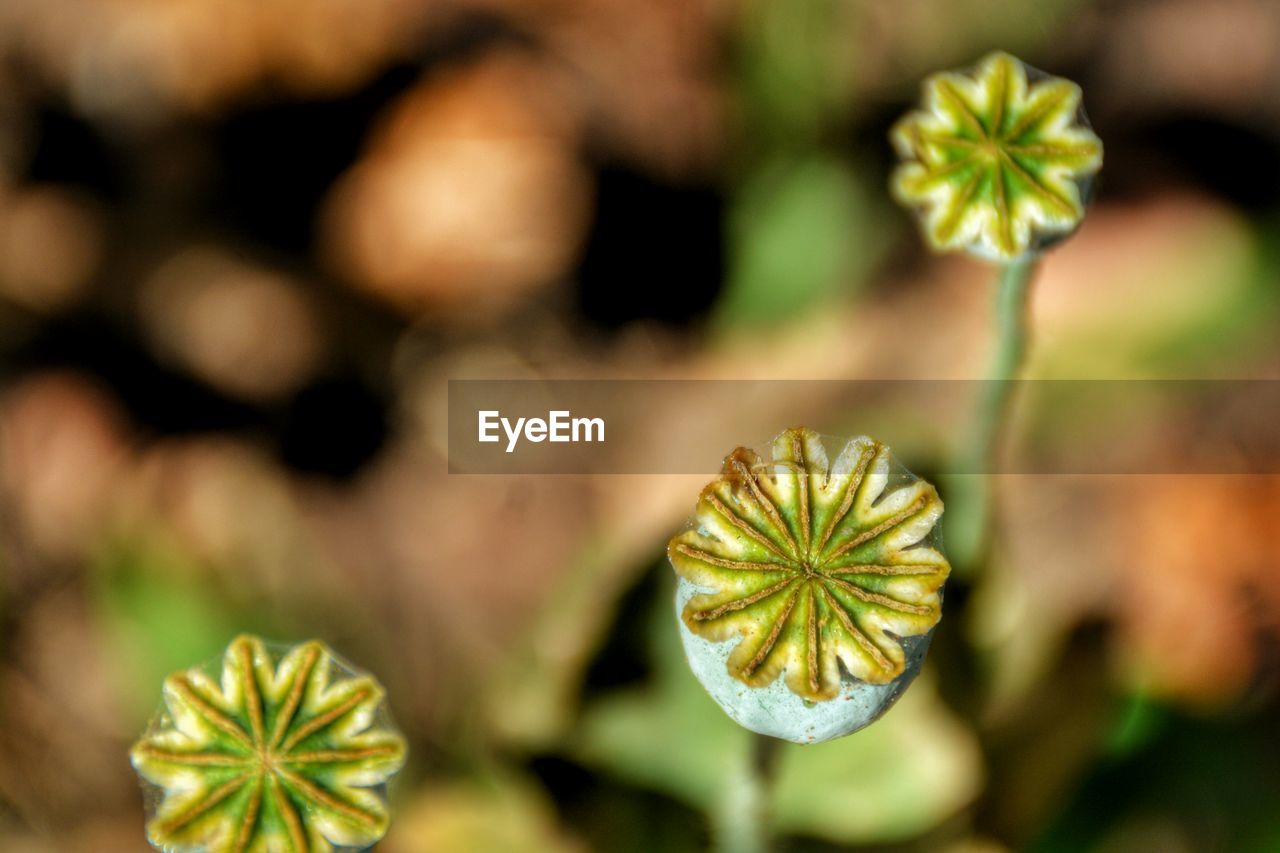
pixel 1013 336
pixel 967 534
pixel 741 820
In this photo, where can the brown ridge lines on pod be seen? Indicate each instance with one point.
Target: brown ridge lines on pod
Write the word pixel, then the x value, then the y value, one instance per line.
pixel 996 160
pixel 279 752
pixel 815 566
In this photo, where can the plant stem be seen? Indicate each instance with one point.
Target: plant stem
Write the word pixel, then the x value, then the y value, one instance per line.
pixel 968 532
pixel 741 822
pixel 1013 335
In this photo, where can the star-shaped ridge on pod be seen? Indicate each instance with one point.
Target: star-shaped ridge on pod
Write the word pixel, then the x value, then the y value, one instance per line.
pixel 287 754
pixel 811 565
pixel 995 162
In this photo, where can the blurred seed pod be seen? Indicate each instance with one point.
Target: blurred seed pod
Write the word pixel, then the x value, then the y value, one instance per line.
pixel 800 580
pixel 999 162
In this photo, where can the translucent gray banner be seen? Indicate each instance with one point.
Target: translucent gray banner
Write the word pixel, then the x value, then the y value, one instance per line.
pixel 688 426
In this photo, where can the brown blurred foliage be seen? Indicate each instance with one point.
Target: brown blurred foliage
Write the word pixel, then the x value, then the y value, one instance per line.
pixel 470 195
pixel 245 246
pixel 1203 583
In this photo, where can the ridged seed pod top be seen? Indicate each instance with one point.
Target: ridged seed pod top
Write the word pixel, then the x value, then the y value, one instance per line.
pixel 998 163
pixel 811 564
pixel 286 754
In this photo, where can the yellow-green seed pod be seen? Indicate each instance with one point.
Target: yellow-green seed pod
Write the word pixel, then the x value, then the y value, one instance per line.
pixel 999 162
pixel 287 751
pixel 800 579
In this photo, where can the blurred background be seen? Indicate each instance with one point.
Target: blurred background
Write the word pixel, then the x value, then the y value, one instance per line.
pixel 244 245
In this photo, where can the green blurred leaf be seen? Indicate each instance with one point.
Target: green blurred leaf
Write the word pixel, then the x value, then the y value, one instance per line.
pixel 893 780
pixel 1193 783
pixel 800 231
pixel 790 77
pixel 160 614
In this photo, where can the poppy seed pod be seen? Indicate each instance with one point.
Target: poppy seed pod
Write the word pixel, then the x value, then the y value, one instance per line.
pixel 275 752
pixel 808 588
pixel 999 162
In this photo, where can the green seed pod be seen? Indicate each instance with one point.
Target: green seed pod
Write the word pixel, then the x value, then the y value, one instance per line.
pixel 284 752
pixel 999 162
pixel 800 580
